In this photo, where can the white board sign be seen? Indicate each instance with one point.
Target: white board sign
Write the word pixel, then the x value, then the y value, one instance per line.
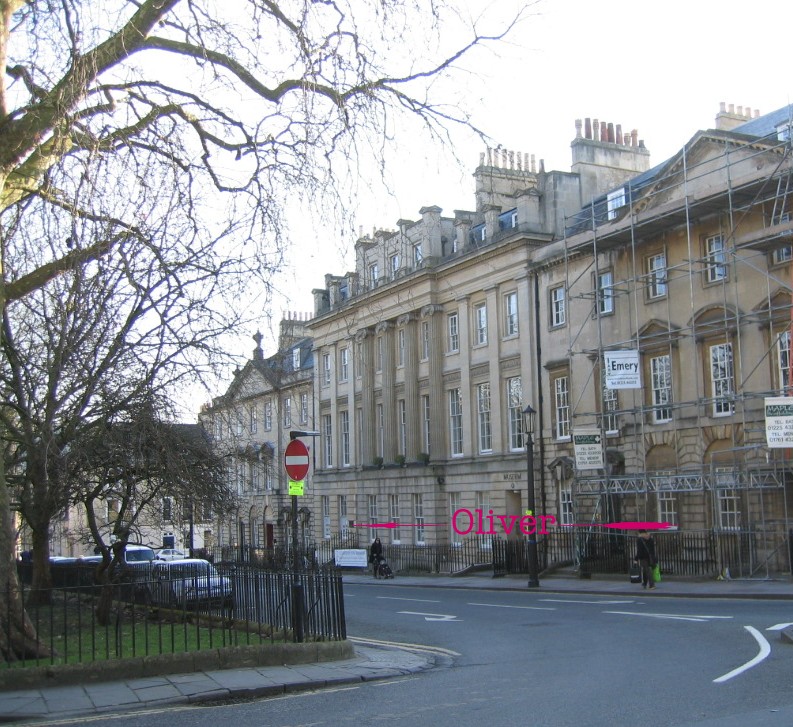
pixel 350 558
pixel 779 421
pixel 588 445
pixel 622 370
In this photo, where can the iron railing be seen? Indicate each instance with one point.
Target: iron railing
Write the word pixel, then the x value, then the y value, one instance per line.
pixel 144 616
pixel 682 553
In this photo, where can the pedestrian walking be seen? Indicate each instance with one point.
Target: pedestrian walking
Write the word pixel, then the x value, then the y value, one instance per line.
pixel 375 555
pixel 645 557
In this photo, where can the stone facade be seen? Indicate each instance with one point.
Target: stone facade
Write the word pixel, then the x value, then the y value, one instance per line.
pixel 250 424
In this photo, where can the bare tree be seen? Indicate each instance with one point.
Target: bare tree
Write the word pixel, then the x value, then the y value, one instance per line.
pixel 133 462
pixel 240 107
pixel 79 351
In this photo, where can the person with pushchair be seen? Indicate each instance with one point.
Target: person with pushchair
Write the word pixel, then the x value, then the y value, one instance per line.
pixel 375 555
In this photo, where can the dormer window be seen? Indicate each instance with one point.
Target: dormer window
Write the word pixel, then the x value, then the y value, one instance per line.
pixel 394 264
pixel 295 359
pixel 418 257
pixel 374 274
pixel 614 201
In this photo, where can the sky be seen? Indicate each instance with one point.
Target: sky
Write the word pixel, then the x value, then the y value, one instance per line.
pixel 662 68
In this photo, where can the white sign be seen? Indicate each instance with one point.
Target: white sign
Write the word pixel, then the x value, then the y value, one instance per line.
pixel 350 558
pixel 779 421
pixel 622 370
pixel 588 447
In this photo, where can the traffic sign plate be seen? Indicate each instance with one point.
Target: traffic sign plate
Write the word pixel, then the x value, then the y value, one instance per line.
pixel 296 460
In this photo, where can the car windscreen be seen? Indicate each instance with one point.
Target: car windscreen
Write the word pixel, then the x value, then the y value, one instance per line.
pixel 138 556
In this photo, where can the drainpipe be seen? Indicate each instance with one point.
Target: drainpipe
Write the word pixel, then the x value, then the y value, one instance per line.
pixel 539 399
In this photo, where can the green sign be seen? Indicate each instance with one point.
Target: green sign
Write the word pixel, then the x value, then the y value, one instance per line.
pixel 296 488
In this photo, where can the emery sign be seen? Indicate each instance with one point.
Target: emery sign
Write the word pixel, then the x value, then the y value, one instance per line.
pixel 779 421
pixel 622 370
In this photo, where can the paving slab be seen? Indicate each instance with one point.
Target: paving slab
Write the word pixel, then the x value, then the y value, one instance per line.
pixel 158 692
pixel 104 695
pixel 67 699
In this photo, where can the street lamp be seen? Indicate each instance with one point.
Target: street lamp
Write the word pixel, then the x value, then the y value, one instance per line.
pixel 534 567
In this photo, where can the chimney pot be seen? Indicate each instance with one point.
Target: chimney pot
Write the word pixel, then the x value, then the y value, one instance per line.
pixel 588 128
pixel 578 128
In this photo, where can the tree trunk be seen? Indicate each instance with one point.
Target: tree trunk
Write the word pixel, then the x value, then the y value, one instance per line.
pixel 40 590
pixel 104 577
pixel 18 638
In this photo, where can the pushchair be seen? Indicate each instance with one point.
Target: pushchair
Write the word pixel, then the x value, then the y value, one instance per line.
pixel 383 570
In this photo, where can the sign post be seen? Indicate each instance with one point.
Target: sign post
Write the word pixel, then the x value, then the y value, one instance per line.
pixel 296 463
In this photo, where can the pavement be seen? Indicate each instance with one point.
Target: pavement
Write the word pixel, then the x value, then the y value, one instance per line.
pixel 372 660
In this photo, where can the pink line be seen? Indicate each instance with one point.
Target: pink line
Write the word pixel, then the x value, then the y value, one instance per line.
pixel 398 525
pixel 628 525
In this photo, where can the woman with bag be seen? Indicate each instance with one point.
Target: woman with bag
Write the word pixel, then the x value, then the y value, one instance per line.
pixel 645 557
pixel 375 555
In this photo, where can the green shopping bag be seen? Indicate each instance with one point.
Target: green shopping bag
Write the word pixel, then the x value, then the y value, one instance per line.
pixel 656 573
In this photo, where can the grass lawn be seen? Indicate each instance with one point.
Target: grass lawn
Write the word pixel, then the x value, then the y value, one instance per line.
pixel 69 626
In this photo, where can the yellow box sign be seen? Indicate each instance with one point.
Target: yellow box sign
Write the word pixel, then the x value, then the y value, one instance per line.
pixel 296 488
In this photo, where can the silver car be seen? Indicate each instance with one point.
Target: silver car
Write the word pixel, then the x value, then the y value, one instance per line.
pixel 187 583
pixel 170 554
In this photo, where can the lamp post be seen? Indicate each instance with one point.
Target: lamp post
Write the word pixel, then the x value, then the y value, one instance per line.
pixel 534 567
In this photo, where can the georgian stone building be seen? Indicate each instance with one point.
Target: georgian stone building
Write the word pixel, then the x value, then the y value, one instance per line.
pixel 250 424
pixel 449 326
pixel 423 354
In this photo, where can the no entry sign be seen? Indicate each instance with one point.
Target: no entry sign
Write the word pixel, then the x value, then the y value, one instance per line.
pixel 296 460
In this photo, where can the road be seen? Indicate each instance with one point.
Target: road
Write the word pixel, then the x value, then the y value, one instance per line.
pixel 547 659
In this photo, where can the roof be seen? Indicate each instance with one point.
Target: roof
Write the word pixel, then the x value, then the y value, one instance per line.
pixel 767 124
pixel 761 127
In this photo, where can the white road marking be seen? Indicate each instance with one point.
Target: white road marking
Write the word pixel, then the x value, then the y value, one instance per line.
pixel 765 650
pixel 396 598
pixel 432 616
pixel 778 627
pixel 529 608
pixel 404 645
pixel 672 616
pixel 574 600
pixel 391 683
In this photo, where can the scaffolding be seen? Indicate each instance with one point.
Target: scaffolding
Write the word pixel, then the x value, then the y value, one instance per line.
pixel 720 212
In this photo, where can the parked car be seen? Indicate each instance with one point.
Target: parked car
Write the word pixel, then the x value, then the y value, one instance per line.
pixel 170 554
pixel 187 583
pixel 134 555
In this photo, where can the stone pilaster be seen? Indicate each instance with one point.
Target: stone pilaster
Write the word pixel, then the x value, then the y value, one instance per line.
pixel 412 414
pixel 365 341
pixel 439 440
